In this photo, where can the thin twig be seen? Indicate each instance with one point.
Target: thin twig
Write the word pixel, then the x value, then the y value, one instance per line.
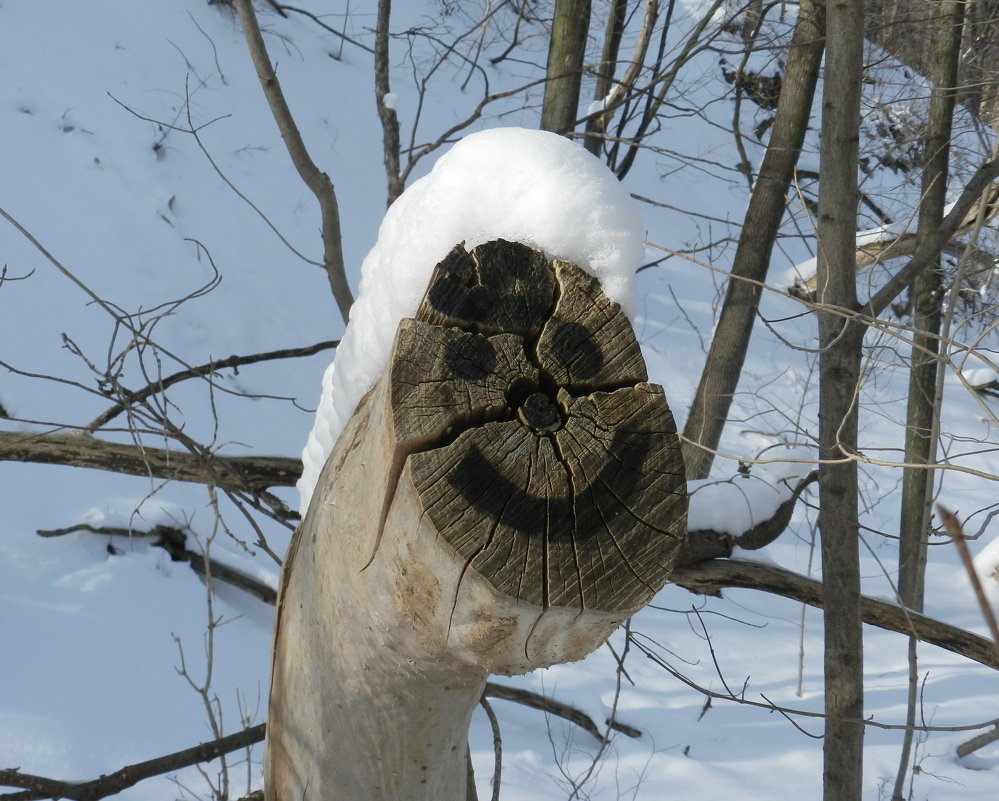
pixel 956 532
pixel 316 180
pixel 497 748
pixel 200 371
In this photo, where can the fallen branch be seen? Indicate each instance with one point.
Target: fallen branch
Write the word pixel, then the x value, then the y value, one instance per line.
pixel 708 578
pixel 980 741
pixel 956 532
pixel 36 787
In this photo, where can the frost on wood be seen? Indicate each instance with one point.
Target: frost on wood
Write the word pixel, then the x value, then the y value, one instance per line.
pixel 512 183
pixel 509 492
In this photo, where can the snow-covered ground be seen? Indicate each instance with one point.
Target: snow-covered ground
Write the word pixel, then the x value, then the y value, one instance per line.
pixel 93 636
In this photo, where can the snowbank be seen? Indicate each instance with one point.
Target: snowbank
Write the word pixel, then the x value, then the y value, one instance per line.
pixel 509 183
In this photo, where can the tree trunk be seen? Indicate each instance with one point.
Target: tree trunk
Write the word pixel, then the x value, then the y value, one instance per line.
pixel 922 407
pixel 925 293
pixel 840 340
pixel 509 492
pixel 566 52
pixel 597 125
pixel 723 367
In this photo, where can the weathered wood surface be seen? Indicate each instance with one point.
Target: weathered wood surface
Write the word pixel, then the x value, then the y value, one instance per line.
pixel 569 491
pixel 508 493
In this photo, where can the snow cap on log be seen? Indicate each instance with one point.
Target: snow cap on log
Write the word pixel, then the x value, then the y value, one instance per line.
pixel 508 183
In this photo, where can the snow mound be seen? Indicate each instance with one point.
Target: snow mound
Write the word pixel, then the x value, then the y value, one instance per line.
pixel 733 506
pixel 508 183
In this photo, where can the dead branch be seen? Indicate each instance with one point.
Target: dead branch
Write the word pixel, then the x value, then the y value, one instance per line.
pixel 317 181
pixel 130 398
pixel 703 544
pixel 978 187
pixel 552 707
pixel 283 7
pixel 386 111
pixel 253 474
pixel 174 542
pixel 708 578
pixel 497 747
pixel 956 532
pixel 896 246
pixel 36 787
pixel 979 741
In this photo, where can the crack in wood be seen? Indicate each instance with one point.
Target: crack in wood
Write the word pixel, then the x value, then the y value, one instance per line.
pixel 516 371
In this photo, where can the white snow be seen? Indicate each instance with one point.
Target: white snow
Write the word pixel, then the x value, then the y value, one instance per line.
pixel 596 106
pixel 507 183
pixel 389 100
pixel 735 505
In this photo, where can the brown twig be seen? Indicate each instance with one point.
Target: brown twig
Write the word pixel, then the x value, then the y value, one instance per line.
pixel 553 707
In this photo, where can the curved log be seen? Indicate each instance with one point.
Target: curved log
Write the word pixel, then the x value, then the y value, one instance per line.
pixel 508 493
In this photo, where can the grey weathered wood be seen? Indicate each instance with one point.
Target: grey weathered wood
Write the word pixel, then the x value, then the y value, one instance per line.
pixel 509 492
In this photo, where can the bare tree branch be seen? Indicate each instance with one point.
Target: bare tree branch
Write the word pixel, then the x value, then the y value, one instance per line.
pixel 317 181
pixel 386 110
pixel 316 19
pixel 977 742
pixel 252 474
pixel 36 787
pixel 553 707
pixel 200 371
pixel 174 542
pixel 708 578
pixel 967 204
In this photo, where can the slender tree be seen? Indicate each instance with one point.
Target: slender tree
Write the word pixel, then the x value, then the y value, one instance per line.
pixel 925 293
pixel 727 353
pixel 840 339
pixel 566 52
pixel 596 125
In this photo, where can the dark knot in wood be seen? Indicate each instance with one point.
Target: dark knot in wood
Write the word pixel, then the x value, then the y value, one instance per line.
pixel 537 447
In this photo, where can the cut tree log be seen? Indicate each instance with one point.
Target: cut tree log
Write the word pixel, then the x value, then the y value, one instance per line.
pixel 508 493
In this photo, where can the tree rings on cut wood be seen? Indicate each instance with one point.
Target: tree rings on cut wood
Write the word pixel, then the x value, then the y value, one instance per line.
pixel 536 447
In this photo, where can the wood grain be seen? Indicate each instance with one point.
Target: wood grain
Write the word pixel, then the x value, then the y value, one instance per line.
pixel 537 448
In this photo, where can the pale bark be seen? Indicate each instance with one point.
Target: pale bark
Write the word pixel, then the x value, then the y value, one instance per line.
pixel 478 515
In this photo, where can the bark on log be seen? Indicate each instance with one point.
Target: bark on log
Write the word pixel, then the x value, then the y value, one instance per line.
pixel 508 493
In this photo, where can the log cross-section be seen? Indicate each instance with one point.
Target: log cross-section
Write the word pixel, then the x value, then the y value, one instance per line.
pixel 508 493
